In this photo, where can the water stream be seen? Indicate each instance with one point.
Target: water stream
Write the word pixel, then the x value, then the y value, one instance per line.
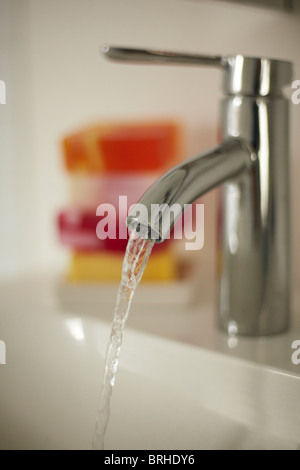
pixel 136 256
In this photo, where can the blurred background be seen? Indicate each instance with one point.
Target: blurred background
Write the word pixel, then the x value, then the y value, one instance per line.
pixel 59 89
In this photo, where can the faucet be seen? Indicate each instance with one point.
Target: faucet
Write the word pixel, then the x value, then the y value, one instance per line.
pixel 251 166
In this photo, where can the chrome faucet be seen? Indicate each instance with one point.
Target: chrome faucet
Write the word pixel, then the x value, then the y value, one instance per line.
pixel 252 167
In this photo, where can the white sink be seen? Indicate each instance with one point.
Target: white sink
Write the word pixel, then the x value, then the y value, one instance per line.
pixel 168 395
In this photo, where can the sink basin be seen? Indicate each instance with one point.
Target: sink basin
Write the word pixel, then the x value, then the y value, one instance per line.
pixel 168 395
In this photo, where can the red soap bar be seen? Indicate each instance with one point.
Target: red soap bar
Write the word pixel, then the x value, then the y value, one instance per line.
pixel 140 148
pixel 77 229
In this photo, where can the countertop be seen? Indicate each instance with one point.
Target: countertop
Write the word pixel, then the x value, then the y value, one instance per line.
pixel 192 323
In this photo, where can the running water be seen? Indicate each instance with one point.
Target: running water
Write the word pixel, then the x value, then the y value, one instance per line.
pixel 137 253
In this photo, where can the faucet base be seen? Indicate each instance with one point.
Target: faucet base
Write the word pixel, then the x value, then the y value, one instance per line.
pixel 253 234
pixel 232 328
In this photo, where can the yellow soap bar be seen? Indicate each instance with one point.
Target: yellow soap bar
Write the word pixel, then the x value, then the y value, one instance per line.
pixel 108 267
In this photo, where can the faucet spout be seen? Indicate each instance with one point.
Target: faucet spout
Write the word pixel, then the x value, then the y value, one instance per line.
pixel 167 198
pixel 252 167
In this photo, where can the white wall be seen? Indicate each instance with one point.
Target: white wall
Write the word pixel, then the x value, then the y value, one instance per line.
pixel 18 217
pixel 70 83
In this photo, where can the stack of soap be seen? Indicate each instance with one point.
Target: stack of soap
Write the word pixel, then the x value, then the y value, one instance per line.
pixel 104 162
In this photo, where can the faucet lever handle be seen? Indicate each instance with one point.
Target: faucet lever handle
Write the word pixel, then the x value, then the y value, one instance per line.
pixel 248 76
pixel 160 57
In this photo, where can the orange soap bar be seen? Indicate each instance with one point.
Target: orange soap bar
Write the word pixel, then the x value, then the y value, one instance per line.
pixel 138 148
pixel 81 150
